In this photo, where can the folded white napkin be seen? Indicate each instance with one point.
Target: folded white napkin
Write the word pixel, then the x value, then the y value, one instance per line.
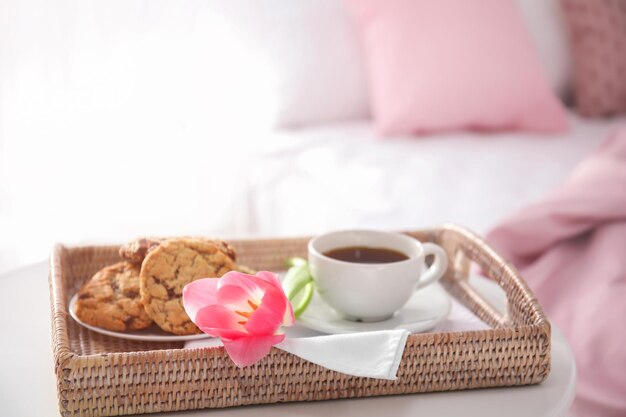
pixel 366 354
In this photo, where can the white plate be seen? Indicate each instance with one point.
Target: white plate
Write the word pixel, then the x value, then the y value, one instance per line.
pixel 150 334
pixel 424 310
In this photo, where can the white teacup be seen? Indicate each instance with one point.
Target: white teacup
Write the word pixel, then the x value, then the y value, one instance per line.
pixel 368 291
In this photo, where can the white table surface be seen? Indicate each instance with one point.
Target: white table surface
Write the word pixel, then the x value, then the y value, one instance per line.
pixel 27 382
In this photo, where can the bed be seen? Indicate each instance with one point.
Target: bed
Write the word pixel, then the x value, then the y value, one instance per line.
pixel 343 176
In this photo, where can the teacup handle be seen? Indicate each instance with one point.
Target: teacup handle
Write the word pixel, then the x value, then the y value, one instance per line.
pixel 438 267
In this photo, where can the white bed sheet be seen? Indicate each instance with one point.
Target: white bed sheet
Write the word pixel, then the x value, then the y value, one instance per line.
pixel 343 176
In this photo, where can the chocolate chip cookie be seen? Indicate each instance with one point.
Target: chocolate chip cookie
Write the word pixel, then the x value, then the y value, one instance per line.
pixel 111 299
pixel 168 268
pixel 137 250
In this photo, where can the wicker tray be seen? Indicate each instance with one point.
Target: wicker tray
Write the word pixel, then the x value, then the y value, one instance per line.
pixel 103 376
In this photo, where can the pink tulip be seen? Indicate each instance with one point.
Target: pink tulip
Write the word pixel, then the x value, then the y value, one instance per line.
pixel 244 311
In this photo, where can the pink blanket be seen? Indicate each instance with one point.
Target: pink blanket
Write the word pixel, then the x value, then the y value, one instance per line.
pixel 571 248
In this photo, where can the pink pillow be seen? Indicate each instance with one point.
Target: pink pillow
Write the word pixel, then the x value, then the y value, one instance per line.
pixel 437 65
pixel 598 43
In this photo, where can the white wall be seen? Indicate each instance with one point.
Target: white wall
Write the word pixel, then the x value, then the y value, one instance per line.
pixel 119 118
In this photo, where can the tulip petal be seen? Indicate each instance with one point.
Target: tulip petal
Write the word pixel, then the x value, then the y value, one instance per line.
pixel 268 317
pixel 250 288
pixel 236 298
pixel 270 278
pixel 248 350
pixel 219 321
pixel 199 294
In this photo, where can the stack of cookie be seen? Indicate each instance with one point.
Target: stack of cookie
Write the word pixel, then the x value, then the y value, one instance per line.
pixel 147 286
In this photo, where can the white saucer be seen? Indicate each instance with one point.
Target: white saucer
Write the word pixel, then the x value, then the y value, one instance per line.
pixel 151 334
pixel 424 310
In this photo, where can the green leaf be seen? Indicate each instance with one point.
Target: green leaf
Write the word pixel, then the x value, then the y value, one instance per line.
pixel 298 285
pixel 302 299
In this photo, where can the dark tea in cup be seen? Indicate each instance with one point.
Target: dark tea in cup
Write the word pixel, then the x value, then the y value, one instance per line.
pixel 366 255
